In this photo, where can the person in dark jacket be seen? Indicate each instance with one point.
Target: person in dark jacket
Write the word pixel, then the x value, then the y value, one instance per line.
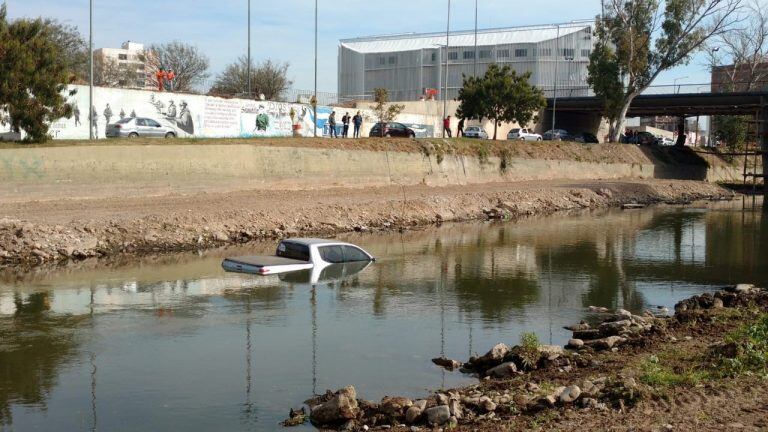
pixel 460 128
pixel 345 121
pixel 332 125
pixel 357 120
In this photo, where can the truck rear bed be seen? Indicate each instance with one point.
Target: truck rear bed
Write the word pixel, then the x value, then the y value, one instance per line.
pixel 256 264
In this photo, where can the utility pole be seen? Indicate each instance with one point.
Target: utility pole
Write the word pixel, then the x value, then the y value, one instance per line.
pixel 554 89
pixel 475 56
pixel 445 82
pixel 91 118
pixel 249 49
pixel 314 105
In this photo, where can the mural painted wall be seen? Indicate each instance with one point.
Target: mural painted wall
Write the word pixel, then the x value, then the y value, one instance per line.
pixel 208 117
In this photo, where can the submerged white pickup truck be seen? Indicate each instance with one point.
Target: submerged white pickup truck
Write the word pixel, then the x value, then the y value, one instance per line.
pixel 298 254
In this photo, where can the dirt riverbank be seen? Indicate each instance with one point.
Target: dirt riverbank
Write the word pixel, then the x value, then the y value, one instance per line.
pixel 58 230
pixel 704 369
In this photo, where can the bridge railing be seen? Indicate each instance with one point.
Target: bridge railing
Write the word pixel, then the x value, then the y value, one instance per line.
pixel 665 89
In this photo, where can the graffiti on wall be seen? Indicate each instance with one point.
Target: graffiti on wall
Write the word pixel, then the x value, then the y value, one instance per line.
pixel 206 116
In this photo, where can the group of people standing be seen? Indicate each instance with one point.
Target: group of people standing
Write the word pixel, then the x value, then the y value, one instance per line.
pixel 356 120
pixel 447 127
pixel 165 79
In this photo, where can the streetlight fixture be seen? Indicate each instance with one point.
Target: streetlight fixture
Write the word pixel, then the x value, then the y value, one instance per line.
pixel 674 83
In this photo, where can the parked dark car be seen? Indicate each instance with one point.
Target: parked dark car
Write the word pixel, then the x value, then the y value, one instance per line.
pixel 586 138
pixel 391 129
pixel 557 135
pixel 645 138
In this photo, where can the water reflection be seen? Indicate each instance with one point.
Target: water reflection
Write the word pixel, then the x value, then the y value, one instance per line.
pixel 173 342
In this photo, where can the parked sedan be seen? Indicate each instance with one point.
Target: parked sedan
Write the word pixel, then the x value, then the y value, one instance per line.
pixel 475 132
pixel 645 138
pixel 557 135
pixel 523 134
pixel 134 127
pixel 586 138
pixel 391 129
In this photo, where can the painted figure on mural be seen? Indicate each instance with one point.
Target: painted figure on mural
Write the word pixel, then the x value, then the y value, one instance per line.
pixel 262 120
pixel 122 113
pixel 108 113
pixel 184 121
pixel 93 120
pixel 133 113
pixel 76 113
pixel 171 110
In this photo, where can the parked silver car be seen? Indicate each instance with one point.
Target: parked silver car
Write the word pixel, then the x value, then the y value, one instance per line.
pixel 475 132
pixel 524 134
pixel 134 127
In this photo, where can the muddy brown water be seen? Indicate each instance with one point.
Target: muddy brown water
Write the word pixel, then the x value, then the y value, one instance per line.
pixel 174 343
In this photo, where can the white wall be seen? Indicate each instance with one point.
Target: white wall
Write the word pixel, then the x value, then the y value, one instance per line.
pixel 205 116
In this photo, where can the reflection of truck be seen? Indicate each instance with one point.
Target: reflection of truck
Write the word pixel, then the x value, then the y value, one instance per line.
pixel 299 254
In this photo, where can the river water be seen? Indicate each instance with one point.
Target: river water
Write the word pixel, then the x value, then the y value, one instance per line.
pixel 174 343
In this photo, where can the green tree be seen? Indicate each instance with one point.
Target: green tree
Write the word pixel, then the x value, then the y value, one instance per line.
pixel 268 78
pixel 34 77
pixel 500 95
pixel 385 112
pixel 648 37
pixel 732 130
pixel 72 47
pixel 605 79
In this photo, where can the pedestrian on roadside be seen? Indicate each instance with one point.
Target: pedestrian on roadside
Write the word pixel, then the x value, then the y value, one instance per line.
pixel 460 128
pixel 332 125
pixel 169 76
pixel 447 127
pixel 160 76
pixel 357 120
pixel 345 122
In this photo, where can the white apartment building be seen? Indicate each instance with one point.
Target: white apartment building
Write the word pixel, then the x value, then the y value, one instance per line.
pixel 130 55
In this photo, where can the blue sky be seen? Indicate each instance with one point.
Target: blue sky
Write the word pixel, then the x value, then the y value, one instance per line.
pixel 284 30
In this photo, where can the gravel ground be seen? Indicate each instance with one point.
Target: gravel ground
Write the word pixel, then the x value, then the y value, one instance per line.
pixel 65 229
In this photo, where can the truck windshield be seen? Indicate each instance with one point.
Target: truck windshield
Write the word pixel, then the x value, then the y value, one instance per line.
pixel 293 251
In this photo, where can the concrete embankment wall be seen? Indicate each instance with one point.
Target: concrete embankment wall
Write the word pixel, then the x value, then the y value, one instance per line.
pixel 43 173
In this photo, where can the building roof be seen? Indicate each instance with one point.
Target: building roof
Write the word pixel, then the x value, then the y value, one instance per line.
pixel 499 36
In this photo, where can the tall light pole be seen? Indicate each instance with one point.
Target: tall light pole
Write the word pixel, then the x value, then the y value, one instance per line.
pixel 91 118
pixel 554 89
pixel 314 105
pixel 674 83
pixel 475 56
pixel 248 69
pixel 445 82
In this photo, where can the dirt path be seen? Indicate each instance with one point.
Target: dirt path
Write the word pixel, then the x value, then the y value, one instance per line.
pixel 35 232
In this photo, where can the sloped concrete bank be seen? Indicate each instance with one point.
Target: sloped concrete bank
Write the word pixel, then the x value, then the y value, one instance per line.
pixel 128 170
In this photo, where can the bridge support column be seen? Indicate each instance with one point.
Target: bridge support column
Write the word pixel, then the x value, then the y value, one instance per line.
pixel 681 136
pixel 762 126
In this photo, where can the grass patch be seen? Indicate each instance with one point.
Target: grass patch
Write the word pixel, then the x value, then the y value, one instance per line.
pixel 751 357
pixel 656 375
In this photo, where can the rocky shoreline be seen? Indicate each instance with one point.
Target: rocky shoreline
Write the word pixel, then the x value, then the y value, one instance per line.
pixel 71 230
pixel 529 379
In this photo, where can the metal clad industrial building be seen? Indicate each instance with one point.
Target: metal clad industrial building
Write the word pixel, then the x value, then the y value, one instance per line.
pixel 406 65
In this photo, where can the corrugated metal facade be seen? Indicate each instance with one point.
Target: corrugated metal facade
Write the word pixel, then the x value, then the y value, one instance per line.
pixel 408 64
